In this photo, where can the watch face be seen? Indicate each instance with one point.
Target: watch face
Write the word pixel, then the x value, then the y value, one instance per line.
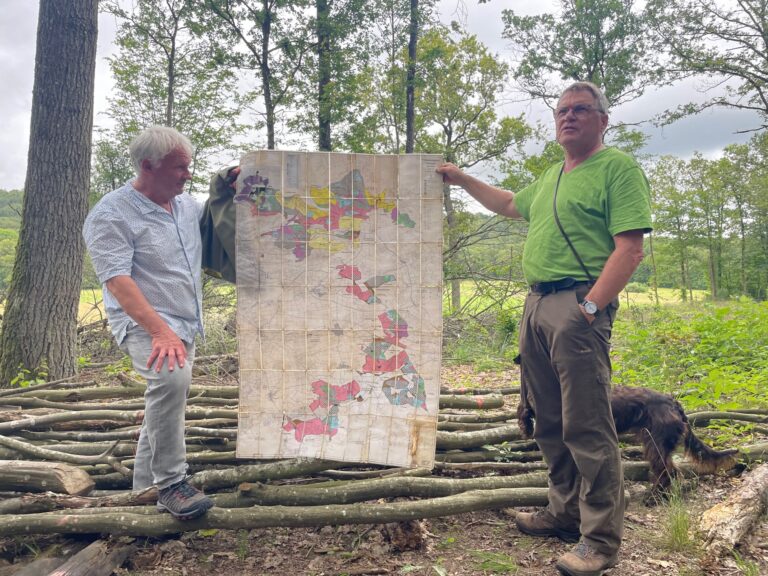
pixel 589 307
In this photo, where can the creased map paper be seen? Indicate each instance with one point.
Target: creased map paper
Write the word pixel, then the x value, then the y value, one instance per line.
pixel 339 288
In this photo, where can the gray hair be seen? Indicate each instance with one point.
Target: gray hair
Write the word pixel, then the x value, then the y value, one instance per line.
pixel 155 143
pixel 597 94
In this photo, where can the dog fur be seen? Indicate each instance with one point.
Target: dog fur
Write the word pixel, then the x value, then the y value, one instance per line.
pixel 660 424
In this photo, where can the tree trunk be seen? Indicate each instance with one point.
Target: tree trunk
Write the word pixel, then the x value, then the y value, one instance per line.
pixel 450 219
pixel 40 317
pixel 125 523
pixel 100 558
pixel 727 523
pixel 410 78
pixel 43 476
pixel 323 74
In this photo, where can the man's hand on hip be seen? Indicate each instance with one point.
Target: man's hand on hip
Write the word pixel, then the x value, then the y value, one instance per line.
pixel 167 345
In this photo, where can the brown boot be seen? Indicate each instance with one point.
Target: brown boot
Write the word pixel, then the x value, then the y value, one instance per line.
pixel 584 560
pixel 542 523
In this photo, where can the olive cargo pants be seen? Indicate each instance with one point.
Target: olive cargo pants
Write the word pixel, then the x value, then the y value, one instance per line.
pixel 565 369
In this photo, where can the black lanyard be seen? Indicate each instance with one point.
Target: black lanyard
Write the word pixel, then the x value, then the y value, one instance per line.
pixel 560 226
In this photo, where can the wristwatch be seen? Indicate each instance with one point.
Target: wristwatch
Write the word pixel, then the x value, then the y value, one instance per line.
pixel 589 307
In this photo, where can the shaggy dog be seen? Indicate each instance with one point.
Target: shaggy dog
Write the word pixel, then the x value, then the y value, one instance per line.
pixel 660 423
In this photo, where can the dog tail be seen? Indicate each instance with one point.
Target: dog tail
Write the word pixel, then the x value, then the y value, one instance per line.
pixel 706 459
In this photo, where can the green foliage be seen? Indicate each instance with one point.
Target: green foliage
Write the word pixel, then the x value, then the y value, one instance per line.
pixel 26 378
pixel 716 354
pixel 495 562
pixel 605 42
pixel 487 342
pixel 746 567
pixel 676 524
pixel 636 287
pixel 167 71
pixel 724 44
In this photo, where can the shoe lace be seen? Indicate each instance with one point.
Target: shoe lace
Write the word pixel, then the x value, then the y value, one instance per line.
pixel 583 550
pixel 184 490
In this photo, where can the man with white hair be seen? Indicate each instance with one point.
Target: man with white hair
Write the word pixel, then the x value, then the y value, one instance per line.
pixel 144 241
pixel 587 216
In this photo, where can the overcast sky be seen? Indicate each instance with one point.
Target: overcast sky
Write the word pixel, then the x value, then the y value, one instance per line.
pixel 706 133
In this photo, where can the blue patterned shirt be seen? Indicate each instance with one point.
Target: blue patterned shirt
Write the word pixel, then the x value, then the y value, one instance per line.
pixel 129 235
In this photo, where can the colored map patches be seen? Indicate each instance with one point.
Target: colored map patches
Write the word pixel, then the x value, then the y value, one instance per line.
pixel 387 354
pixel 326 409
pixel 328 219
pixel 366 291
pixel 402 391
pixel 406 388
pixel 395 328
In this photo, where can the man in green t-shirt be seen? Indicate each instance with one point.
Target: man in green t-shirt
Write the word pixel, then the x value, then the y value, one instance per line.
pixel 587 217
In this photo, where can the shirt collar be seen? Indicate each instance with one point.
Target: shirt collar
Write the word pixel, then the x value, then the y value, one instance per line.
pixel 144 204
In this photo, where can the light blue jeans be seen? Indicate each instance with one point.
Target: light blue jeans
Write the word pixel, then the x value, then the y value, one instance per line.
pixel 161 456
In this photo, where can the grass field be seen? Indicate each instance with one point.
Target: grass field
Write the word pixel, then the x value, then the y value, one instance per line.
pixel 476 298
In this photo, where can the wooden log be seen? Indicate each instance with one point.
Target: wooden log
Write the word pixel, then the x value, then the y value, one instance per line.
pixel 45 454
pixel 43 476
pixel 35 503
pixel 46 563
pixel 125 523
pixel 30 403
pixel 47 420
pixel 296 467
pixel 481 456
pixel 134 390
pixel 467 426
pixel 464 440
pixel 44 386
pixel 727 523
pixel 346 492
pixel 703 418
pixel 472 402
pixel 485 466
pixel 100 558
pixel 40 567
pixel 480 391
pixel 754 451
pixel 476 417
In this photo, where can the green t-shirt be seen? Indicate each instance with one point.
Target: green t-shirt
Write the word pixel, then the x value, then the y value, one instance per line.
pixel 603 196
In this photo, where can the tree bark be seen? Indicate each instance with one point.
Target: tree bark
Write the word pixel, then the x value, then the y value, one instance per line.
pixel 463 440
pixel 324 95
pixel 471 402
pixel 100 558
pixel 40 316
pixel 43 476
pixel 124 523
pixel 410 77
pixel 727 523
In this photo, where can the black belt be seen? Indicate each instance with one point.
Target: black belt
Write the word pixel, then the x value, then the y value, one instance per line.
pixel 557 285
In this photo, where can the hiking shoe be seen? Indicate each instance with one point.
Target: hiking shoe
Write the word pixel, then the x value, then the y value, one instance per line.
pixel 183 501
pixel 584 560
pixel 542 523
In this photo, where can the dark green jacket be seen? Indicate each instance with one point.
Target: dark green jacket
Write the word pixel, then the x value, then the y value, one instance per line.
pixel 217 227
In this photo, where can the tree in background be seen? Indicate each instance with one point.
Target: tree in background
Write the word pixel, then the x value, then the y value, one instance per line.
pixel 671 216
pixel 383 111
pixel 274 39
pixel 167 71
pixel 456 117
pixel 607 42
pixel 40 317
pixel 723 43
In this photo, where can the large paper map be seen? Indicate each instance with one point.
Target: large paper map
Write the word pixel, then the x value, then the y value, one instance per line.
pixel 339 293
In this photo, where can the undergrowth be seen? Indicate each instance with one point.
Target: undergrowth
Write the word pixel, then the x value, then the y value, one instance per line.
pixel 712 355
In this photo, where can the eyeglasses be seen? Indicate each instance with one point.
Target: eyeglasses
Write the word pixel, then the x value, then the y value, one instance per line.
pixel 580 111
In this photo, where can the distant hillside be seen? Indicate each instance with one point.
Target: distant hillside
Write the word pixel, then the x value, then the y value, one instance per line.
pixel 10 222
